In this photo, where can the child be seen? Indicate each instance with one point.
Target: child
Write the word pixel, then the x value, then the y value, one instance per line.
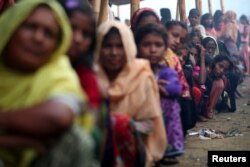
pixel 214 83
pixel 151 42
pixel 144 16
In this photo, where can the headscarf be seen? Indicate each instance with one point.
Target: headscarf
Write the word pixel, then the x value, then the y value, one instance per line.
pixel 19 90
pixel 209 38
pixel 137 16
pixel 55 78
pixel 134 92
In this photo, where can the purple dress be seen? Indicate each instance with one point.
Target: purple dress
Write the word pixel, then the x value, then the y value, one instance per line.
pixel 171 111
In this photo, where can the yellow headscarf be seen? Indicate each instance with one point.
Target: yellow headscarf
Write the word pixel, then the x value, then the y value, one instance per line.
pixel 134 92
pixel 19 90
pixel 55 78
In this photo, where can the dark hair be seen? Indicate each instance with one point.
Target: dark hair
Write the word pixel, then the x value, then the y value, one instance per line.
pixel 159 30
pixel 222 48
pixel 142 15
pixel 195 34
pixel 194 12
pixel 206 40
pixel 165 15
pixel 173 23
pixel 217 17
pixel 222 57
pixel 112 31
pixel 204 18
pixel 71 6
pixel 244 17
pixel 208 60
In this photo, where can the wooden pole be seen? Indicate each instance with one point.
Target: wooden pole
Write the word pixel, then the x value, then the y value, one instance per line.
pixel 177 11
pixel 182 8
pixel 96 7
pixel 135 5
pixel 118 11
pixel 210 7
pixel 222 5
pixel 198 4
pixel 103 16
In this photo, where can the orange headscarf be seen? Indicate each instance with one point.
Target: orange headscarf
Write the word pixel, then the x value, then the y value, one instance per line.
pixel 134 92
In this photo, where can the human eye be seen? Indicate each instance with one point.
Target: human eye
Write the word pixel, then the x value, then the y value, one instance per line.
pixel 29 26
pixel 159 44
pixel 50 33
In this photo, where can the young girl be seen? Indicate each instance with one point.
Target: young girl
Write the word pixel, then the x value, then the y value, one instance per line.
pixel 215 84
pixel 142 17
pixel 129 86
pixel 151 42
pixel 83 23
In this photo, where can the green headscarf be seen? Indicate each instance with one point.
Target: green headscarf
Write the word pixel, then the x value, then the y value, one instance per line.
pixel 55 78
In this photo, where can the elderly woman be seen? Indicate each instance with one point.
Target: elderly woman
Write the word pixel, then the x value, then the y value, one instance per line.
pixel 40 95
pixel 129 86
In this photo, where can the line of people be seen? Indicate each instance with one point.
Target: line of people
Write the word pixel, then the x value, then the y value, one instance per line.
pixel 72 94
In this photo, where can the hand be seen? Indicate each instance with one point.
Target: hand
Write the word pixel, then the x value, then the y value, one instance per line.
pixel 144 127
pixel 202 50
pixel 161 88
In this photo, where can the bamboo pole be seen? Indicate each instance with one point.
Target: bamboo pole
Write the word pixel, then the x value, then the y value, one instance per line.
pixel 177 11
pixel 135 5
pixel 198 4
pixel 222 5
pixel 210 7
pixel 118 11
pixel 103 16
pixel 96 7
pixel 182 8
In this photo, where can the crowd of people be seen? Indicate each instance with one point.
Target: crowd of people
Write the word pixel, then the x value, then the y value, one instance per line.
pixel 74 94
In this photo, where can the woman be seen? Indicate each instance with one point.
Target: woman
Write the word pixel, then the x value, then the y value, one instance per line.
pixel 129 86
pixel 40 94
pixel 211 46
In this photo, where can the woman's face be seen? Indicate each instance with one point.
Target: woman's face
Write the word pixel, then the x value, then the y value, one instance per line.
pixel 152 47
pixel 112 54
pixel 82 35
pixel 33 43
pixel 174 37
pixel 210 47
pixel 220 68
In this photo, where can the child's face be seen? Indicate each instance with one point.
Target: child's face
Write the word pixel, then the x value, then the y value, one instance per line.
pixel 183 55
pixel 82 35
pixel 175 37
pixel 112 54
pixel 34 41
pixel 220 68
pixel 195 40
pixel 194 20
pixel 194 52
pixel 210 48
pixel 152 47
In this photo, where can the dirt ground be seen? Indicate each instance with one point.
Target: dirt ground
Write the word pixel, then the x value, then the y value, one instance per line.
pixel 197 149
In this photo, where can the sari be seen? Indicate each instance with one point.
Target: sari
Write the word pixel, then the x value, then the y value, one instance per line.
pixel 134 92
